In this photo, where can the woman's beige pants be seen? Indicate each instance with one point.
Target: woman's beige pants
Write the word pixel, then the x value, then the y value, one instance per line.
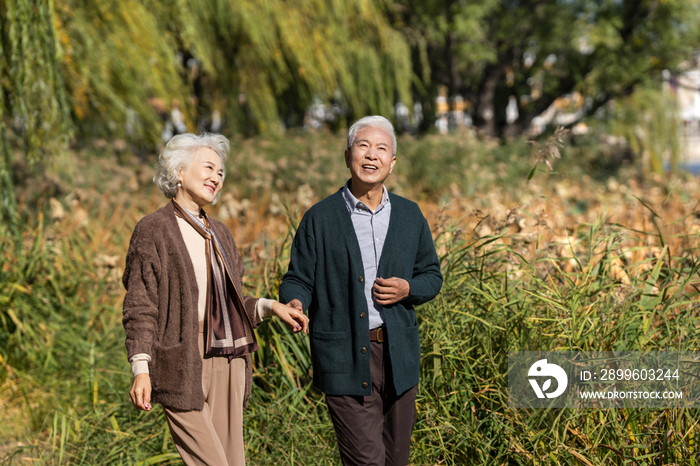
pixel 214 435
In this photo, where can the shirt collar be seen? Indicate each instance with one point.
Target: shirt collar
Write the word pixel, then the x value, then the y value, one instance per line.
pixel 353 203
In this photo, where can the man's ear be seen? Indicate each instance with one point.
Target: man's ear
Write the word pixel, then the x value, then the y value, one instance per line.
pixel 348 155
pixel 393 162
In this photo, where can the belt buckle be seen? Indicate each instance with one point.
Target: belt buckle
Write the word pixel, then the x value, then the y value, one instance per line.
pixel 380 335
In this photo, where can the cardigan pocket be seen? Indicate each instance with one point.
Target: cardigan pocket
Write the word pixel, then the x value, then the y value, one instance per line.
pixel 168 369
pixel 406 358
pixel 333 351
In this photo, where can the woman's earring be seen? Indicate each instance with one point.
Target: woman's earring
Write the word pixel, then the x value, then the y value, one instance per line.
pixel 179 185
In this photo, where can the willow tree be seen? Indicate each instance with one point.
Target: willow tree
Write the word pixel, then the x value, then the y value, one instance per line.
pixel 108 67
pixel 32 89
pixel 293 50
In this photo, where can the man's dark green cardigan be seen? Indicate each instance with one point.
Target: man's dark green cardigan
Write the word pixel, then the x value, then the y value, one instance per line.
pixel 326 275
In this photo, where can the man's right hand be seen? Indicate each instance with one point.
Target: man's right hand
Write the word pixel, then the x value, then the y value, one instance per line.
pixel 295 303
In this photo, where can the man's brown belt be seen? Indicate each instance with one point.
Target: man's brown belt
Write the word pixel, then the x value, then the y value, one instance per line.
pixel 377 334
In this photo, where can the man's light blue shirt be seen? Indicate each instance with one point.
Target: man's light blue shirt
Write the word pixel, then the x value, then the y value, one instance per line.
pixel 371 229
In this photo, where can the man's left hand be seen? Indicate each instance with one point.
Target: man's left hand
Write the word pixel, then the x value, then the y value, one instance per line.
pixel 390 290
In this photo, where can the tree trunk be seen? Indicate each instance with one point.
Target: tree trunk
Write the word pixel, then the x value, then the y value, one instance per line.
pixel 485 111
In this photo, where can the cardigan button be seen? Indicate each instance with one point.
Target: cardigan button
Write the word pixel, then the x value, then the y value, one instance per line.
pixel 364 350
pixel 361 279
pixel 364 385
pixel 362 316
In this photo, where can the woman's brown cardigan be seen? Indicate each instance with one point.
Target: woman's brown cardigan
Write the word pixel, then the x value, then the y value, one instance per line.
pixel 160 308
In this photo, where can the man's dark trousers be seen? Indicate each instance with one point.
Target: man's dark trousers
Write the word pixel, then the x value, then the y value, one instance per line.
pixel 375 430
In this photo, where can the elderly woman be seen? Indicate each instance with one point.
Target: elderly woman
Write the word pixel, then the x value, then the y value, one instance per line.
pixel 189 328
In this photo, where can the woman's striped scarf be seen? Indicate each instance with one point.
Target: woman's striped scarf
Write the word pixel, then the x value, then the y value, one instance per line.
pixel 227 326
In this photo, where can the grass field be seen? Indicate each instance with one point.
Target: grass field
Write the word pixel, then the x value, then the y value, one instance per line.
pixel 571 259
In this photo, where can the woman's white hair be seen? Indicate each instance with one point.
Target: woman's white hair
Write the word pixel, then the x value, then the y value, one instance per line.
pixel 374 121
pixel 178 155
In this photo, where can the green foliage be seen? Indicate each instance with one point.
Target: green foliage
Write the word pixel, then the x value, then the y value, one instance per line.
pixel 648 120
pixel 117 56
pixel 32 86
pixel 64 340
pixel 8 203
pixel 115 68
pixel 488 308
pixel 539 51
pixel 316 160
pixel 433 167
pixel 300 49
pixel 64 377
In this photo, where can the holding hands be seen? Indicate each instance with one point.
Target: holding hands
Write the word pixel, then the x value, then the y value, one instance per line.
pixel 292 315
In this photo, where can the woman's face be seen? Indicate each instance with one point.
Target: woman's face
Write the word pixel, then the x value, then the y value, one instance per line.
pixel 201 181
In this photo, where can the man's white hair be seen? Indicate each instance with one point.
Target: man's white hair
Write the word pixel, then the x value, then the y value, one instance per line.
pixel 374 121
pixel 178 155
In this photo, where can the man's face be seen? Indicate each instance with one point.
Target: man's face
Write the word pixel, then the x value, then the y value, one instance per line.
pixel 371 157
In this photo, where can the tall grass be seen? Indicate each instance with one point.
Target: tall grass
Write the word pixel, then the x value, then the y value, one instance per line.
pixel 486 311
pixel 534 266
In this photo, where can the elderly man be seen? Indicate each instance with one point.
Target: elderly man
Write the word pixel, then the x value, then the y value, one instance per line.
pixel 364 332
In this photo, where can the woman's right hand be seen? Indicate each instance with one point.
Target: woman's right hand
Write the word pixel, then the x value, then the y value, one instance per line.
pixel 141 392
pixel 292 316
